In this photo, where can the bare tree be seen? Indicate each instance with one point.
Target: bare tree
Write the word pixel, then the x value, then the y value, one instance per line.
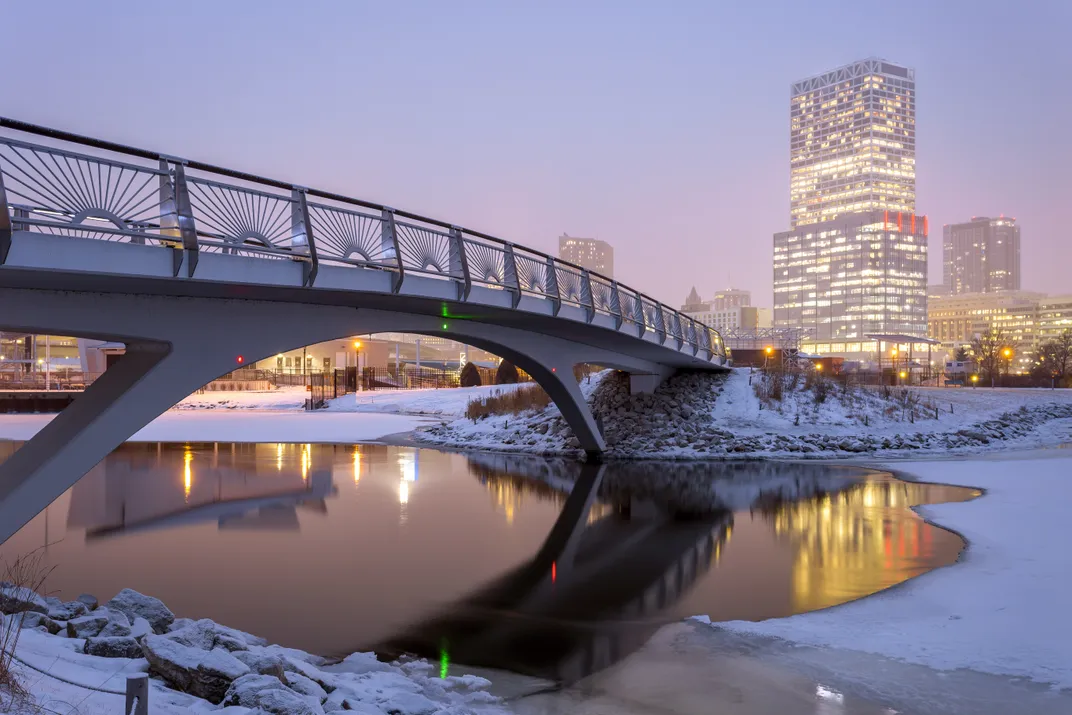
pixel 1055 357
pixel 989 350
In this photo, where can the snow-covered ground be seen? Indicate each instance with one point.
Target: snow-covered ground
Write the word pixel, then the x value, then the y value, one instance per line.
pixel 250 425
pixel 1003 609
pixel 450 402
pixel 197 664
pixel 696 416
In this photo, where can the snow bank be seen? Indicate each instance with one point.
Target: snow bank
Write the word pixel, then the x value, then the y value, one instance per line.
pixel 247 425
pixel 240 670
pixel 1003 609
pixel 704 416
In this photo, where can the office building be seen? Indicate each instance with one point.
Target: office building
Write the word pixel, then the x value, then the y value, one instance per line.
pixel 956 319
pixel 853 142
pixel 1054 316
pixel 590 253
pixel 731 298
pixel 860 274
pixel 981 255
pixel 854 262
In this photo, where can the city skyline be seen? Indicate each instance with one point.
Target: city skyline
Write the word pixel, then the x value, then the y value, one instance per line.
pixel 533 141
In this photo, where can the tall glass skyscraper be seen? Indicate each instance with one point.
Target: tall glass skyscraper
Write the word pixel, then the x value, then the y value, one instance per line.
pixel 852 142
pixel 854 262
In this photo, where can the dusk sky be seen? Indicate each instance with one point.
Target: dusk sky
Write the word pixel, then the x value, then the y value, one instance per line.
pixel 660 127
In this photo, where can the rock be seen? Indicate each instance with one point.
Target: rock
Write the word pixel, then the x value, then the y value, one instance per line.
pixel 262 663
pixel 87 626
pixel 343 702
pixel 263 692
pixel 134 604
pixel 205 674
pixel 140 628
pixel 89 601
pixel 115 629
pixel 359 664
pixel 66 611
pixel 19 599
pixel 207 634
pixel 124 647
pixel 305 686
pixel 33 619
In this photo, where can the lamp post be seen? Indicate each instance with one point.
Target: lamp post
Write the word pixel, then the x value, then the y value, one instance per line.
pixel 767 352
pixel 357 366
pixel 975 381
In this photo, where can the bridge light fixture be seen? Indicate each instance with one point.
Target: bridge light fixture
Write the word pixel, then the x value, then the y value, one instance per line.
pixel 444 326
pixel 357 344
pixel 240 359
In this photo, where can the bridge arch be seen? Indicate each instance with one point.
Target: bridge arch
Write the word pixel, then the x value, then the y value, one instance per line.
pixel 175 346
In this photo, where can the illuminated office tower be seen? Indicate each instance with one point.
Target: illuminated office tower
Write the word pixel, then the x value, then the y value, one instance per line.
pixel 852 142
pixel 857 275
pixel 854 262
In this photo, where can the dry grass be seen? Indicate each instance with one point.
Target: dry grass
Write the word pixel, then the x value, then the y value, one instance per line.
pixel 24 572
pixel 508 402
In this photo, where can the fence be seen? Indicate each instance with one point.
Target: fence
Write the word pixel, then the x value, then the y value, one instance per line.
pixel 57 380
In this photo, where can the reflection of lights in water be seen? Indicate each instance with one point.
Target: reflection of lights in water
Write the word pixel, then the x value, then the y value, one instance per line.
pixel 306 460
pixel 403 493
pixel 279 458
pixel 853 543
pixel 407 463
pixel 444 663
pixel 357 465
pixel 187 473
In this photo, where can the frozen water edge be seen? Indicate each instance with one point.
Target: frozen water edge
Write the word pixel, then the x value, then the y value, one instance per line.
pixel 1001 610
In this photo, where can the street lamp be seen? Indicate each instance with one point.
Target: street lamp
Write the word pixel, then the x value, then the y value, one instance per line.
pixel 768 351
pixel 975 380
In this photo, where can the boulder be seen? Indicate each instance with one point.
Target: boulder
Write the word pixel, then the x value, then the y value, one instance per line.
pixel 134 605
pixel 305 686
pixel 408 704
pixel 19 599
pixel 115 628
pixel 359 664
pixel 206 635
pixel 262 663
pixel 66 611
pixel 205 674
pixel 125 647
pixel 89 601
pixel 140 628
pixel 33 619
pixel 263 692
pixel 87 626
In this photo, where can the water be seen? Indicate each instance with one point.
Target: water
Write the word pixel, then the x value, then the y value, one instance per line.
pixel 484 559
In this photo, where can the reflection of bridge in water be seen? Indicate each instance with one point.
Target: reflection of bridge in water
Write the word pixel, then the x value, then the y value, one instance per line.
pixel 592 594
pixel 240 486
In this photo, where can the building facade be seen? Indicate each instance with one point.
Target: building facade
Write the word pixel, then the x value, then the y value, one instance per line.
pixel 590 253
pixel 956 319
pixel 854 262
pixel 731 298
pixel 853 142
pixel 981 255
pixel 859 274
pixel 1054 316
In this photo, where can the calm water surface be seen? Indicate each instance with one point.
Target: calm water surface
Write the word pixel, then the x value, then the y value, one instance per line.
pixel 484 559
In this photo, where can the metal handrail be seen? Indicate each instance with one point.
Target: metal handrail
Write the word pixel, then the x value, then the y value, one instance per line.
pixel 500 258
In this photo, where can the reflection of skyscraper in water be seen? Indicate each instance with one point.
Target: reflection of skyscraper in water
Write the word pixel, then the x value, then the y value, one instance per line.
pixel 848 544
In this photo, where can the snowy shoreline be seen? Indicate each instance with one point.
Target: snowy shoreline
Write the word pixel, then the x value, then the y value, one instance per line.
pixel 79 652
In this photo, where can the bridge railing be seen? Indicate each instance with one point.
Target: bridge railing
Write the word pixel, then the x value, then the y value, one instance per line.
pixel 119 193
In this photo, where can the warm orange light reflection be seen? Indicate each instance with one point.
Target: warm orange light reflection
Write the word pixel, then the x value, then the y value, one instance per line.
pixel 357 465
pixel 187 473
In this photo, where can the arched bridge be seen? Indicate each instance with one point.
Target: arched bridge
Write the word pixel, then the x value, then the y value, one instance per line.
pixel 192 265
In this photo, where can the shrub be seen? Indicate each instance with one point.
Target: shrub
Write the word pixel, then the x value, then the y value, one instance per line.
pixel 509 402
pixel 506 374
pixel 470 376
pixel 25 572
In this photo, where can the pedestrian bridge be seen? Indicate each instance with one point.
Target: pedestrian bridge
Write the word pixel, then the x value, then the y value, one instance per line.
pixel 198 269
